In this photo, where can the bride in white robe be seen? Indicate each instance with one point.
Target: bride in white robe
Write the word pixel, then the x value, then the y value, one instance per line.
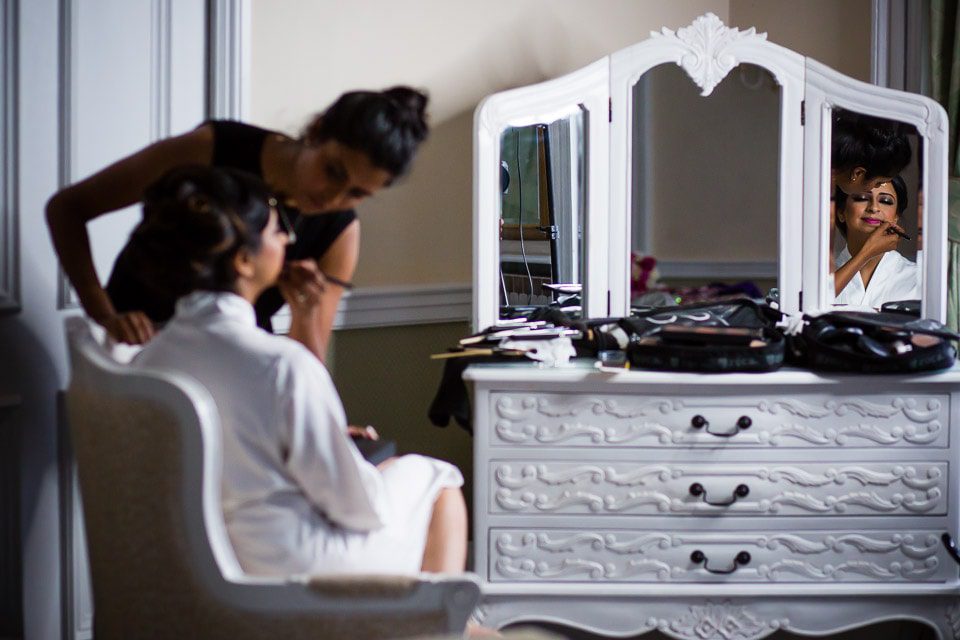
pixel 895 278
pixel 297 495
pixel 869 270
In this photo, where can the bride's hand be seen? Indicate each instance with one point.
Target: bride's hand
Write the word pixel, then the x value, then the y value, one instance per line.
pixel 302 285
pixel 880 241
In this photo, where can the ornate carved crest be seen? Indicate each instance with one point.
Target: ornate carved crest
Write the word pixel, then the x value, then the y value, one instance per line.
pixel 953 619
pixel 707 40
pixel 721 620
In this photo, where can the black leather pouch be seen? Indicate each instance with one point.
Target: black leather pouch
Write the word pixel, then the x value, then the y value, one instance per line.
pixel 866 342
pixel 732 335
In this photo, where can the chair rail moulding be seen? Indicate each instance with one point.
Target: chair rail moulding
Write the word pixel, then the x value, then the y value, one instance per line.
pixel 703 269
pixel 394 306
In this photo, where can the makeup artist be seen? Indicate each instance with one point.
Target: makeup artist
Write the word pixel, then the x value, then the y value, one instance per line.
pixel 356 147
pixel 865 151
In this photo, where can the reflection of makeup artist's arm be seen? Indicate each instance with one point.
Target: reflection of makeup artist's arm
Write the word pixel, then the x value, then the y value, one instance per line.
pixel 340 260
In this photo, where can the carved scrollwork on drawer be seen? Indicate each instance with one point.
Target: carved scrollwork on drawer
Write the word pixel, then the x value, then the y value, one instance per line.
pixel 754 489
pixel 629 556
pixel 813 421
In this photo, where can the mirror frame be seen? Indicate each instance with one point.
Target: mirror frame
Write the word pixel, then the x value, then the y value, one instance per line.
pixel 707 50
pixel 585 90
pixel 827 89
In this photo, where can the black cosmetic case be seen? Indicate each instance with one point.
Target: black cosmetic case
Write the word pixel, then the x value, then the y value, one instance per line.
pixel 867 342
pixel 713 337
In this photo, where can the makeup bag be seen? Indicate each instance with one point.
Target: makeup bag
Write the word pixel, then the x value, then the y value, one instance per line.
pixel 867 342
pixel 717 337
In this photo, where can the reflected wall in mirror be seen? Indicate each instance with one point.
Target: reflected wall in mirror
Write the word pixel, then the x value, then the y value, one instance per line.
pixel 875 214
pixel 542 207
pixel 705 187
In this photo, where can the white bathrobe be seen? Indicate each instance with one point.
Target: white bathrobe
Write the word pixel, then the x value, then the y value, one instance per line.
pixel 895 278
pixel 297 495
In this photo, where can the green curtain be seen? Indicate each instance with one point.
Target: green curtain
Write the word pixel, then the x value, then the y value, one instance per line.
pixel 945 86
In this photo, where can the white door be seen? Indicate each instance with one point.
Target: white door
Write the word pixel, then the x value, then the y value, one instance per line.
pixel 85 82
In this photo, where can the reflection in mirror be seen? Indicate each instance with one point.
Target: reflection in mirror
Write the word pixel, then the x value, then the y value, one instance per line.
pixel 875 216
pixel 541 217
pixel 705 189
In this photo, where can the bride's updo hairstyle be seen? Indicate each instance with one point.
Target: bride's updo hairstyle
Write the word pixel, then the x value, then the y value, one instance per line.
pixel 195 220
pixel 387 126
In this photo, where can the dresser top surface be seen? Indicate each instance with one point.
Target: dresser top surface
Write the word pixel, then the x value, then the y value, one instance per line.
pixel 584 371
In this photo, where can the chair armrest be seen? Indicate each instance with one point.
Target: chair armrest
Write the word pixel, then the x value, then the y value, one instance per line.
pixel 362 586
pixel 357 606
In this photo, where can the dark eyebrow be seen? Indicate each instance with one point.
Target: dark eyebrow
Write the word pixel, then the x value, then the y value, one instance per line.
pixel 361 192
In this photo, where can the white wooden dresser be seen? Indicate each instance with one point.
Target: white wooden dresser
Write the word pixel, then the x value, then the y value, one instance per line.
pixel 715 506
pixel 722 506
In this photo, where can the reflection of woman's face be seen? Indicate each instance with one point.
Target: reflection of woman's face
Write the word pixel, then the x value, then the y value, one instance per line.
pixel 332 177
pixel 865 212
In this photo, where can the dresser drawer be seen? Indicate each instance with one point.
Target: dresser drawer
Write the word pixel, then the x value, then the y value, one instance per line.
pixel 748 489
pixel 804 420
pixel 604 556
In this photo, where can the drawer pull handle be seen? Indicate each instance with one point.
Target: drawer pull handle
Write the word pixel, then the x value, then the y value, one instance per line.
pixel 951 546
pixel 697 490
pixel 699 422
pixel 698 557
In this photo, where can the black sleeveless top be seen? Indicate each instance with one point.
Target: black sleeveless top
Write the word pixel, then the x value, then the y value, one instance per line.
pixel 238 146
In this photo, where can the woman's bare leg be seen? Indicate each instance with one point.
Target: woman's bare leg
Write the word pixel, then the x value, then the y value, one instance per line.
pixel 446 548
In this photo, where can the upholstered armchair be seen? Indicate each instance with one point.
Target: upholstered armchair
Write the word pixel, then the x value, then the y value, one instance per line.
pixel 147 446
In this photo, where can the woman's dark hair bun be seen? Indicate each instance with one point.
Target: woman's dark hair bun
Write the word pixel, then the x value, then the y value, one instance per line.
pixel 388 126
pixel 878 145
pixel 413 105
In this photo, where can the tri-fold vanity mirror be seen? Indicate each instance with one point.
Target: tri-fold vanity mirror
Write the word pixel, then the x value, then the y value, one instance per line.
pixel 704 152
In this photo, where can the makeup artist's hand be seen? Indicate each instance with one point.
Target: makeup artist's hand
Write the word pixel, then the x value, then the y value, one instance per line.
pixel 302 285
pixel 367 432
pixel 882 239
pixel 132 327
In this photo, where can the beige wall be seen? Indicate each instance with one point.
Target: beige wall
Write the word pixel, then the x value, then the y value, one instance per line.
pixel 307 52
pixel 834 32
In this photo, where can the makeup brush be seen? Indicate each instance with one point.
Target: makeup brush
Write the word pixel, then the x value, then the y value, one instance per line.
pixel 898 232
